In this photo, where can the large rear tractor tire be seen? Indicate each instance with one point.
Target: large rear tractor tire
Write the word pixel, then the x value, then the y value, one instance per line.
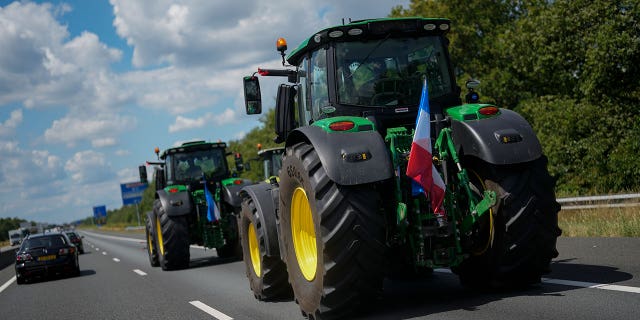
pixel 267 274
pixel 333 237
pixel 152 250
pixel 524 222
pixel 172 239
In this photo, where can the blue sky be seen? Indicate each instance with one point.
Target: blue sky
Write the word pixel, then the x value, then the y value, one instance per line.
pixel 88 88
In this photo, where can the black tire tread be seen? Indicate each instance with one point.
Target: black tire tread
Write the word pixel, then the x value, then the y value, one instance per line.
pixel 175 233
pixel 273 284
pixel 526 228
pixel 352 238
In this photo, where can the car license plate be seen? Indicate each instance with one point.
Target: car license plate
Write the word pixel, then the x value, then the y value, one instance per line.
pixel 47 258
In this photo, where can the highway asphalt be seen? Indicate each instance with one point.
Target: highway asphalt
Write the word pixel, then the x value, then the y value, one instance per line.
pixel 593 278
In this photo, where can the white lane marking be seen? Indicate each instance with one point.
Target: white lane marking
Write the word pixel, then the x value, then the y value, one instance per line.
pixel 591 285
pixel 116 259
pixel 97 249
pixel 104 253
pixel 211 311
pixel 580 284
pixel 8 283
pixel 140 272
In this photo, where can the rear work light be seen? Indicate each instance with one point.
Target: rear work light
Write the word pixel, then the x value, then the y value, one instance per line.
pixel 342 126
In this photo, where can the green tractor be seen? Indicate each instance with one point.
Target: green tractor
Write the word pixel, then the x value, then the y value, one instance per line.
pixel 197 201
pixel 345 214
pixel 271 160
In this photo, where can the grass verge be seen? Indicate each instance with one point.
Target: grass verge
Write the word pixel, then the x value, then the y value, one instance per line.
pixel 602 222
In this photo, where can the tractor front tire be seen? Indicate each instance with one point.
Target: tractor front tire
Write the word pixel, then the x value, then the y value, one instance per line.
pixel 267 274
pixel 332 237
pixel 172 239
pixel 525 226
pixel 152 250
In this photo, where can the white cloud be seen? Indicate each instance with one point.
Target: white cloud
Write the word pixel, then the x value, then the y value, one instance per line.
pixel 88 167
pixel 26 168
pixel 96 129
pixel 122 153
pixel 103 142
pixel 8 127
pixel 183 123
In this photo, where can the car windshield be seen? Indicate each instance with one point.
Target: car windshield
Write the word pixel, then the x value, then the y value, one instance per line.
pixel 190 166
pixel 72 235
pixel 389 72
pixel 44 242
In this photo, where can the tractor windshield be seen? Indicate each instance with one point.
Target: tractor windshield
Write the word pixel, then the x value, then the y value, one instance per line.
pixel 190 166
pixel 389 72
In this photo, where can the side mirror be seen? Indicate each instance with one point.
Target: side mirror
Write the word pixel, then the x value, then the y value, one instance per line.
pixel 252 97
pixel 472 96
pixel 238 162
pixel 142 170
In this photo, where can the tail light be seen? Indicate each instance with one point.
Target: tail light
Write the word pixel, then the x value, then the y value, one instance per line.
pixel 65 251
pixel 342 126
pixel 488 111
pixel 24 257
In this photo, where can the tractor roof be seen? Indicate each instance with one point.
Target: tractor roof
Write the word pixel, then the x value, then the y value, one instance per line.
pixel 370 29
pixel 192 146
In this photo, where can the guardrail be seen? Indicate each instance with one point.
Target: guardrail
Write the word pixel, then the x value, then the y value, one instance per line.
pixel 7 255
pixel 605 201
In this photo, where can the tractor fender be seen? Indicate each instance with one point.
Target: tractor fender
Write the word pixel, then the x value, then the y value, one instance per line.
pixel 175 204
pixel 265 197
pixel 348 158
pixel 505 139
pixel 231 193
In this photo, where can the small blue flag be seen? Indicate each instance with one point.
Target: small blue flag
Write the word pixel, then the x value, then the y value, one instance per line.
pixel 213 214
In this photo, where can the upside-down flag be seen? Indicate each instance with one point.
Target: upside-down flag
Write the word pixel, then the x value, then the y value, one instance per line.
pixel 420 167
pixel 213 213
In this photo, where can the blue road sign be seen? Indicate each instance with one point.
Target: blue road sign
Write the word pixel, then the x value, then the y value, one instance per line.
pixel 100 214
pixel 132 192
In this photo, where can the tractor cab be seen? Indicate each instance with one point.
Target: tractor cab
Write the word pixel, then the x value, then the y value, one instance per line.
pixel 371 69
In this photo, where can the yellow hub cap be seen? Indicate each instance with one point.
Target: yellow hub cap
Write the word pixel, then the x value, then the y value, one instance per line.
pixel 159 236
pixel 149 242
pixel 303 233
pixel 254 249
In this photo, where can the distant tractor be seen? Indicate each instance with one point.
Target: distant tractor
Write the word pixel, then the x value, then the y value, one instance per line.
pixel 345 213
pixel 271 159
pixel 196 202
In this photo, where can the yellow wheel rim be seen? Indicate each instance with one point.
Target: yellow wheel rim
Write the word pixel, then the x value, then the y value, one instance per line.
pixel 149 242
pixel 303 234
pixel 159 236
pixel 254 249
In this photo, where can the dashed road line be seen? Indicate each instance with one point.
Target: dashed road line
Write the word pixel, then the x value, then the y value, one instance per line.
pixel 140 272
pixel 211 311
pixel 116 259
pixel 8 283
pixel 104 253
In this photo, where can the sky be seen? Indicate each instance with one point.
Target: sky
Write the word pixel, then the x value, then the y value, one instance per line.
pixel 88 88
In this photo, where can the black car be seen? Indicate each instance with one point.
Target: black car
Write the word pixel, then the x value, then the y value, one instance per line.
pixel 76 239
pixel 44 255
